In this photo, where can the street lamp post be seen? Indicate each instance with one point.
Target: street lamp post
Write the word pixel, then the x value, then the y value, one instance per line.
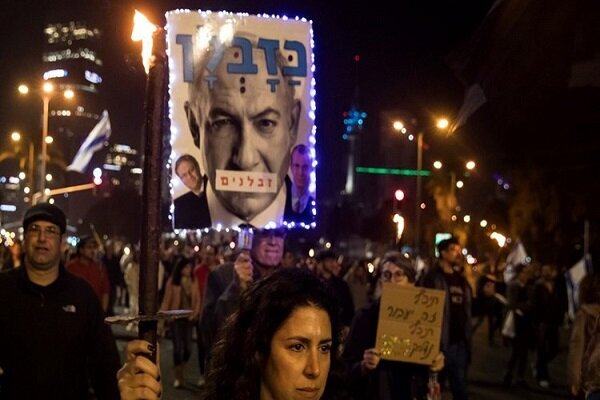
pixel 46 94
pixel 442 124
pixel 46 101
pixel 418 194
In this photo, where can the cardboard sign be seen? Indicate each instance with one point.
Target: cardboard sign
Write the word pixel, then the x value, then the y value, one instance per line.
pixel 410 323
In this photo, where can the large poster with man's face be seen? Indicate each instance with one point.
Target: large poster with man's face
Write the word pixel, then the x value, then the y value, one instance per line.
pixel 242 120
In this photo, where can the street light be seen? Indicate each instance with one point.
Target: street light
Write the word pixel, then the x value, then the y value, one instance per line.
pixel 17 137
pixel 442 124
pixel 46 93
pixel 399 126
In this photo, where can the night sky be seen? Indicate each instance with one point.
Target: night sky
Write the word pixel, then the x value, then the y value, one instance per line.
pixel 401 63
pixel 404 66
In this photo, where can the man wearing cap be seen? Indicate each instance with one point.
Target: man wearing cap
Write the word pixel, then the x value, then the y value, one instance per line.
pixel 53 342
pixel 368 376
pixel 227 281
pixel 447 275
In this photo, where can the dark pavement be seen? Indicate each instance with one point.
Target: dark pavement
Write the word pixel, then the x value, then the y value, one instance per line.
pixel 489 363
pixel 485 374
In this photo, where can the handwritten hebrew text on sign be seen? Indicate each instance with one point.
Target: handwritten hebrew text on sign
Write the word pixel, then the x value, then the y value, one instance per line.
pixel 410 323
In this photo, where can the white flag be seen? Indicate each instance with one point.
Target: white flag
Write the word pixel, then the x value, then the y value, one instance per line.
pixel 574 276
pixel 474 99
pixel 94 142
pixel 517 256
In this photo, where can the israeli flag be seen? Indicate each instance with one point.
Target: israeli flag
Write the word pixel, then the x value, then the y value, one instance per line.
pixel 94 142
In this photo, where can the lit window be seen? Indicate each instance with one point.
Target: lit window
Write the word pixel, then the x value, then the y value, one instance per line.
pixel 92 77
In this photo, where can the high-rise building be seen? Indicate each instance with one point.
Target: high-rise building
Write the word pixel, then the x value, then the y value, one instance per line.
pixel 72 59
pixel 121 167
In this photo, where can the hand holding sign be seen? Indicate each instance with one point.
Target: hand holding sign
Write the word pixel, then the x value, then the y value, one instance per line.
pixel 438 363
pixel 243 269
pixel 370 361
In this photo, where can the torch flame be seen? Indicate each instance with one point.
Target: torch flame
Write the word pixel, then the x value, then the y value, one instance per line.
pixel 143 30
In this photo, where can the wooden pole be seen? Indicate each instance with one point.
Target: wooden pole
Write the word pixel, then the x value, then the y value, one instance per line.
pixel 155 106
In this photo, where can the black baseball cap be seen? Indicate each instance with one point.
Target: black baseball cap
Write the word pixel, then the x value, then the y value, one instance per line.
pixel 45 212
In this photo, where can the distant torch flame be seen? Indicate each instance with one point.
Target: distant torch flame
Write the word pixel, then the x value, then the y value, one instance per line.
pixel 399 220
pixel 143 30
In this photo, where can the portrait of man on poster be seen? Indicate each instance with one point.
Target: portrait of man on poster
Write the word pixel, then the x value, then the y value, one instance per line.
pixel 191 208
pixel 300 201
pixel 245 124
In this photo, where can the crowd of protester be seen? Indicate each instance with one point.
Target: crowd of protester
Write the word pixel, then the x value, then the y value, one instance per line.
pixel 208 275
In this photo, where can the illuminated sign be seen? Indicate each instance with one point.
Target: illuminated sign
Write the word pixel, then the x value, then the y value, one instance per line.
pixel 55 73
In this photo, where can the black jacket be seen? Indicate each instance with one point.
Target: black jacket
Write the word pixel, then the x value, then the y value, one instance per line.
pixel 434 279
pixel 289 215
pixel 221 299
pixel 391 380
pixel 191 211
pixel 341 292
pixel 53 340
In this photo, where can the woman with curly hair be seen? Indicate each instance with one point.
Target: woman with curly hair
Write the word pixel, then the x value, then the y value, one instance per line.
pixel 281 344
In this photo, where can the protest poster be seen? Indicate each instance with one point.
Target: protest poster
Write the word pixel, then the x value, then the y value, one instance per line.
pixel 410 323
pixel 242 113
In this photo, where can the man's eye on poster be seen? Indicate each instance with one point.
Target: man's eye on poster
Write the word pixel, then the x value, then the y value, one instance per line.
pixel 242 121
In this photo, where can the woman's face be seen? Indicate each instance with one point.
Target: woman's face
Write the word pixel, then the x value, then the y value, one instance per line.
pixel 298 365
pixel 393 273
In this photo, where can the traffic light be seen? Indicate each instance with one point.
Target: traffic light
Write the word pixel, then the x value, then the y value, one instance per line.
pixel 398 197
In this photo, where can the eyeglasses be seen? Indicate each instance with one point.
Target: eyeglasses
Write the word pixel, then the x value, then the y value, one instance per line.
pixel 387 275
pixel 35 229
pixel 268 233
